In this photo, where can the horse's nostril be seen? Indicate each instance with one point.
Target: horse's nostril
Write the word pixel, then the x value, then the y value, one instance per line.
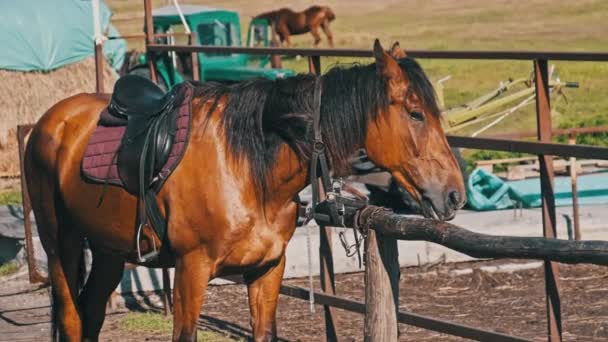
pixel 454 197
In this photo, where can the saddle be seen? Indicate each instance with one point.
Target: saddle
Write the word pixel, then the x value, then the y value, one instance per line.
pixel 151 124
pixel 140 138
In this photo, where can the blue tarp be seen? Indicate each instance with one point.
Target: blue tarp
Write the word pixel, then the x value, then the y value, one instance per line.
pixel 486 191
pixel 48 34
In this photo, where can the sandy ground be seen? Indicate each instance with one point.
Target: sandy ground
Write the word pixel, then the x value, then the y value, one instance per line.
pixel 511 303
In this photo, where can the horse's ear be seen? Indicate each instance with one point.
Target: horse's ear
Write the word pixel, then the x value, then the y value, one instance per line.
pixel 385 64
pixel 397 52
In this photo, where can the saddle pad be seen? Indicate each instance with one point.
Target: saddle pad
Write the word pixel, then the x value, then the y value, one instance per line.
pixel 99 163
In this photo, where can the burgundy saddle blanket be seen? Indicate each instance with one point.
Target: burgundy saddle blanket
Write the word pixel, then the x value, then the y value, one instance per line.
pixel 99 164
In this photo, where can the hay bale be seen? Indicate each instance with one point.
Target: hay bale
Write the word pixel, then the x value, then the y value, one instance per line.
pixel 26 96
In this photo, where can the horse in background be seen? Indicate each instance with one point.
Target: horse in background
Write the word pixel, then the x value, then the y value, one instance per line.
pixel 285 22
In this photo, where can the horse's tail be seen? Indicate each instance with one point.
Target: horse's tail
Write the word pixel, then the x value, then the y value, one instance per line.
pixel 329 14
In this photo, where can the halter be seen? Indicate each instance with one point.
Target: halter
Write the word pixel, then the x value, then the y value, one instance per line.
pixel 330 211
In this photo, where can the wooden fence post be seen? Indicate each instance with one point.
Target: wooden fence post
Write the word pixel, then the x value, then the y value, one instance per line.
pixel 573 176
pixel 381 288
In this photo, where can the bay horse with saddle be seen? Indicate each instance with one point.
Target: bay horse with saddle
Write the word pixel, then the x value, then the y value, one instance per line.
pixel 205 178
pixel 285 22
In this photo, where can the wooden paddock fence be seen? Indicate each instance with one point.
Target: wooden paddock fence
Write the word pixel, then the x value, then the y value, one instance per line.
pixel 382 269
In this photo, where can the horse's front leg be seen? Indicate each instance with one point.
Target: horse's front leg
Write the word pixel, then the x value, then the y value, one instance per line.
pixel 263 288
pixel 192 272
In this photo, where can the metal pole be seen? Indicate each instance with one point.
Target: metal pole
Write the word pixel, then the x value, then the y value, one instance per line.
pixel 328 284
pixel 195 67
pixel 167 304
pixel 149 32
pixel 34 274
pixel 99 68
pixel 543 117
pixel 98 39
pixel 573 176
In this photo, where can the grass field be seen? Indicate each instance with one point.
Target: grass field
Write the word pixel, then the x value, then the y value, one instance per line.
pixel 153 322
pixel 462 25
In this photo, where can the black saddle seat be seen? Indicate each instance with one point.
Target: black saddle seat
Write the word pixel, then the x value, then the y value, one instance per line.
pixel 138 96
pixel 150 118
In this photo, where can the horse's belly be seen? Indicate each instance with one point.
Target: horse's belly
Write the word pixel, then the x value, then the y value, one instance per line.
pixel 254 252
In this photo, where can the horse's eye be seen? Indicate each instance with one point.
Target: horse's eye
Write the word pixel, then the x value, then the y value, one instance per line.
pixel 418 116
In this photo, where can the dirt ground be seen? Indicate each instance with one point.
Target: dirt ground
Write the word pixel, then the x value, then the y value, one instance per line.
pixel 511 303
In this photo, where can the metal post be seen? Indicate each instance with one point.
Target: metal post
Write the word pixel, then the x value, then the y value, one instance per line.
pixel 98 40
pixel 149 32
pixel 328 284
pixel 35 276
pixel 167 304
pixel 275 60
pixel 99 68
pixel 573 176
pixel 543 117
pixel 195 69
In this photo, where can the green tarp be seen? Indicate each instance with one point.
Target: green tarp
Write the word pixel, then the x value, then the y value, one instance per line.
pixel 48 34
pixel 486 191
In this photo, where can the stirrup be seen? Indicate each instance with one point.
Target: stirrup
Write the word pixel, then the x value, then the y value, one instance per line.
pixel 148 256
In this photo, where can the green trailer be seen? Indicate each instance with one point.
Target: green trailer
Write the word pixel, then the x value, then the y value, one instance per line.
pixel 210 26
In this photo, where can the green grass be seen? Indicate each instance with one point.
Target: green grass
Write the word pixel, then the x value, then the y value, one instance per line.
pixel 10 197
pixel 8 268
pixel 470 25
pixel 157 323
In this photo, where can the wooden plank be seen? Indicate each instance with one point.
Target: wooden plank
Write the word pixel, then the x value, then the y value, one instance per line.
pixel 381 288
pixel 573 178
pixel 543 119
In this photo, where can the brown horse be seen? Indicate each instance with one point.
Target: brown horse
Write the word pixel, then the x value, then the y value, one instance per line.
pixel 286 23
pixel 230 205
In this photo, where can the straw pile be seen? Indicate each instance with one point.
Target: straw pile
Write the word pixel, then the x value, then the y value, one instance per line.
pixel 26 96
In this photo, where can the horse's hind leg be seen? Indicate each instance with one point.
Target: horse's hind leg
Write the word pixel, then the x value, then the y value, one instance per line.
pixel 284 35
pixel 263 288
pixel 106 273
pixel 65 269
pixel 192 272
pixel 330 37
pixel 62 245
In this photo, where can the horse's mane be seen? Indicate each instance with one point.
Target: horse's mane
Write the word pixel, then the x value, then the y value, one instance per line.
pixel 261 115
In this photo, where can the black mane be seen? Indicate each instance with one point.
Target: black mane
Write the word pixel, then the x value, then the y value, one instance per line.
pixel 260 115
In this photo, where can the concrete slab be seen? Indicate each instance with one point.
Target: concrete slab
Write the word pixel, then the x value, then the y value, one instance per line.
pixel 526 222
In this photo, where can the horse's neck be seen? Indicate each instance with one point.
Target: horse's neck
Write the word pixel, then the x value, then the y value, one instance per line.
pixel 288 178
